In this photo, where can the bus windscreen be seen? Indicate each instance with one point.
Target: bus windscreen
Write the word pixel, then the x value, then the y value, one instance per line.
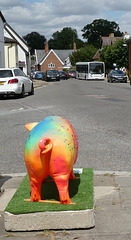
pixel 96 68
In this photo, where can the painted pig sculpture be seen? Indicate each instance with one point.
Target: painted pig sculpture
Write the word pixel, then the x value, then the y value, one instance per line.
pixel 51 149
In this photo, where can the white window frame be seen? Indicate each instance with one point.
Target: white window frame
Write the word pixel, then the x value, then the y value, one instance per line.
pixel 51 65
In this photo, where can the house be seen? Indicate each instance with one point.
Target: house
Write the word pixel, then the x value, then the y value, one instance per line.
pixel 17 52
pixel 111 39
pixel 52 59
pixel 10 46
pixel 129 57
pixel 2 57
pixel 14 52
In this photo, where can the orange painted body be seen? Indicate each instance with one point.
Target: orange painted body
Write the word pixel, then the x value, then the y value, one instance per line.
pixel 51 149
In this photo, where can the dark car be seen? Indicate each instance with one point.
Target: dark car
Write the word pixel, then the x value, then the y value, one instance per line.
pixel 52 75
pixel 72 73
pixel 116 76
pixel 40 75
pixel 63 75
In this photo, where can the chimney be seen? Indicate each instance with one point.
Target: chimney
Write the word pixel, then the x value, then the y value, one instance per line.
pixel 74 46
pixel 46 47
pixel 111 35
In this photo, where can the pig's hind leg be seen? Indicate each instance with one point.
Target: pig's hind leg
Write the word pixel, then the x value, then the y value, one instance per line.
pixel 62 186
pixel 35 189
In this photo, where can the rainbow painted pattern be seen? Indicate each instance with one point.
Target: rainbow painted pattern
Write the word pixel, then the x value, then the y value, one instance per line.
pixel 51 148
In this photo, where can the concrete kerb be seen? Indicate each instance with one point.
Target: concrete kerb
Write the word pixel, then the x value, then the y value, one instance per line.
pixel 50 220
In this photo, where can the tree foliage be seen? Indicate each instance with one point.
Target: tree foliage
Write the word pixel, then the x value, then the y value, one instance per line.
pixel 65 39
pixel 100 27
pixel 84 54
pixel 115 53
pixel 35 41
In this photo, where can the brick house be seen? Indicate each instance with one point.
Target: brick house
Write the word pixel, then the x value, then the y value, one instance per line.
pixel 52 59
pixel 106 41
pixel 129 57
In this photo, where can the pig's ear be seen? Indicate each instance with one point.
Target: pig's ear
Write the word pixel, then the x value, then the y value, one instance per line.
pixel 30 126
pixel 45 144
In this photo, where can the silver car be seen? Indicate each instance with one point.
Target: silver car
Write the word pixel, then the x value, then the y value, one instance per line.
pixel 13 81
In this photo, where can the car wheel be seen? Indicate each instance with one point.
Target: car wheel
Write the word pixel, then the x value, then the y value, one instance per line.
pixel 1 96
pixel 22 95
pixel 32 90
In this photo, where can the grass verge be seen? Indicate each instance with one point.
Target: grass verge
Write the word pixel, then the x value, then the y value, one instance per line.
pixel 80 191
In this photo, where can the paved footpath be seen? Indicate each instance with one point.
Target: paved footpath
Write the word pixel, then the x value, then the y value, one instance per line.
pixel 40 83
pixel 112 203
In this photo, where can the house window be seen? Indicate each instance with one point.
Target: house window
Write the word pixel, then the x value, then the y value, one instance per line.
pixel 51 65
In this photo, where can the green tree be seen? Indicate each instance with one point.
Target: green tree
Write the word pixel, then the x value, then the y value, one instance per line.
pixel 65 39
pixel 84 54
pixel 115 53
pixel 35 41
pixel 100 27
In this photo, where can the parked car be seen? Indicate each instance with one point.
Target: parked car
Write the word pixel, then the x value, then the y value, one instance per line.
pixel 72 73
pixel 40 75
pixel 52 75
pixel 116 76
pixel 14 81
pixel 63 75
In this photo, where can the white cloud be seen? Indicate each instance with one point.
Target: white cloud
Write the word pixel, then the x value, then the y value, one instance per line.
pixel 4 4
pixel 47 17
pixel 119 5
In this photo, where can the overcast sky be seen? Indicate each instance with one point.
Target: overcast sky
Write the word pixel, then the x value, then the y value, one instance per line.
pixel 49 16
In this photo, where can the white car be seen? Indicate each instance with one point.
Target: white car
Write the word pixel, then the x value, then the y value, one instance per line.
pixel 14 81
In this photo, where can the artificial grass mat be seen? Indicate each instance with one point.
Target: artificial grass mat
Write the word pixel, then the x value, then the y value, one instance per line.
pixel 80 192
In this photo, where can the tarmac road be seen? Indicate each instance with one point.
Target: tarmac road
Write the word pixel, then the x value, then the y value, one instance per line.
pixel 99 112
pixel 112 203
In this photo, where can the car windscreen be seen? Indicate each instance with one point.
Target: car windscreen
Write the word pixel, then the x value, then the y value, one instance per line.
pixel 117 72
pixel 6 73
pixel 49 72
pixel 55 71
pixel 52 72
